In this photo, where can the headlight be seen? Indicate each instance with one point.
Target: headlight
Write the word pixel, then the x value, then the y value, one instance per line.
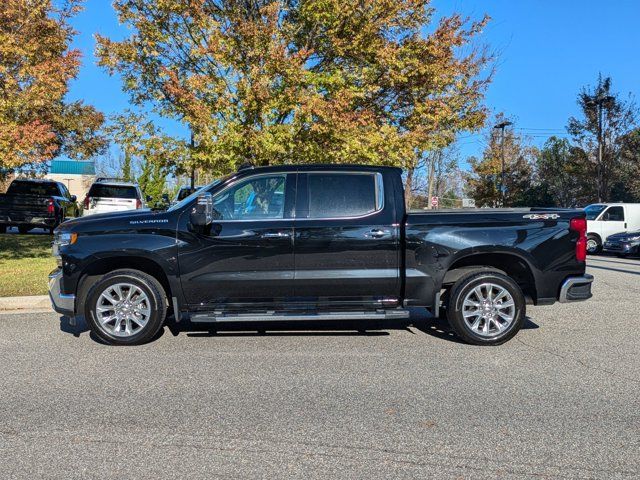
pixel 62 239
pixel 633 239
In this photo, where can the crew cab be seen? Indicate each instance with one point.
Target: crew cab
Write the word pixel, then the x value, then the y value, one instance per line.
pixel 315 242
pixel 36 203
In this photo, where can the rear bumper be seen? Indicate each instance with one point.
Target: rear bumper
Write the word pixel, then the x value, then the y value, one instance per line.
pixel 576 289
pixel 17 220
pixel 61 303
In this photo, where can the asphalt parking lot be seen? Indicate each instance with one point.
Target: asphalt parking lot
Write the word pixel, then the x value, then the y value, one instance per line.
pixel 561 400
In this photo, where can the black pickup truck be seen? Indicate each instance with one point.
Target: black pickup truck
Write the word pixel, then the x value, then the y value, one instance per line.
pixel 35 203
pixel 315 242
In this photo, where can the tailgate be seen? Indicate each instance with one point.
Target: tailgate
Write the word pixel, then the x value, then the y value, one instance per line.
pixel 23 204
pixel 106 204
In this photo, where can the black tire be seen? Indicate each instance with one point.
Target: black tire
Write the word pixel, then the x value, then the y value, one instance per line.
pixel 594 244
pixel 463 287
pixel 23 229
pixel 3 229
pixel 157 305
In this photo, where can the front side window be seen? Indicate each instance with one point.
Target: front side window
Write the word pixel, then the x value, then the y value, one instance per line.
pixel 258 198
pixel 614 214
pixel 335 195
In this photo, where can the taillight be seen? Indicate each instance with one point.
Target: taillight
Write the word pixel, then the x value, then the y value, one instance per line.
pixel 51 208
pixel 580 225
pixel 87 200
pixel 138 203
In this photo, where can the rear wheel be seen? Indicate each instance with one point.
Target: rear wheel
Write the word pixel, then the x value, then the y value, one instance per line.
pixel 3 229
pixel 594 245
pixel 126 307
pixel 486 308
pixel 24 229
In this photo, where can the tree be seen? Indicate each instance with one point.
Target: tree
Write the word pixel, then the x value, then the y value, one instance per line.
pixel 484 179
pixel 36 66
pixel 156 154
pixel 600 133
pixel 561 174
pixel 281 81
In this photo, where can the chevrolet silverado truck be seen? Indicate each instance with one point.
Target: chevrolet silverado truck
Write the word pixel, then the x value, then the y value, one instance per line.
pixel 315 242
pixel 35 203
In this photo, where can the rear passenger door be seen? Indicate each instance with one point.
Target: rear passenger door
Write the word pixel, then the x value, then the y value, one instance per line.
pixel 346 248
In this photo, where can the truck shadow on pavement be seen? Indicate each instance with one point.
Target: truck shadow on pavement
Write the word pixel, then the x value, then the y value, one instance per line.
pixel 419 323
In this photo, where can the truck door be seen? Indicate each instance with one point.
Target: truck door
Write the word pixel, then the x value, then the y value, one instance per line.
pixel 346 240
pixel 247 259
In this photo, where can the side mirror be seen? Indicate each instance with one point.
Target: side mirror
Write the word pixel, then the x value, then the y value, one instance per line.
pixel 73 198
pixel 202 212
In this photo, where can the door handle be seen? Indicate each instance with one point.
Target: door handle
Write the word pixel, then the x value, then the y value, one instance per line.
pixel 377 233
pixel 276 235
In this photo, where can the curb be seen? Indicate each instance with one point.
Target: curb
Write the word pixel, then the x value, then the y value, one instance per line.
pixel 28 304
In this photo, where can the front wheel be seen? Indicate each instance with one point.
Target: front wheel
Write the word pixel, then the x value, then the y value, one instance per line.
pixel 594 246
pixel 126 307
pixel 486 308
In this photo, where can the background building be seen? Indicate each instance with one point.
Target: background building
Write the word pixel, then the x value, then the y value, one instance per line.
pixel 77 176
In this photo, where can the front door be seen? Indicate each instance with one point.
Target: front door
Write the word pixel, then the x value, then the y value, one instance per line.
pixel 247 258
pixel 612 221
pixel 347 241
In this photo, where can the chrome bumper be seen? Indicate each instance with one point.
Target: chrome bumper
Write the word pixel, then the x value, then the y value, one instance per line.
pixel 575 289
pixel 62 303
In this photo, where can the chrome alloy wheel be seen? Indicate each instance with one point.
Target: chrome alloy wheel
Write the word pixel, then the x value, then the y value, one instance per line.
pixel 592 245
pixel 488 310
pixel 123 309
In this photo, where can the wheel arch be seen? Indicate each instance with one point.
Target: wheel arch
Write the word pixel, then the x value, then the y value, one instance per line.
pixel 104 265
pixel 509 264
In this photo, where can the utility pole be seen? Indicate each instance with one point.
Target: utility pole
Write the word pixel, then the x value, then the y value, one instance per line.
pixel 599 103
pixel 503 187
pixel 193 168
pixel 435 158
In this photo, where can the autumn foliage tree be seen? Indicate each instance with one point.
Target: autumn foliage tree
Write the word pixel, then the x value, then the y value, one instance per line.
pixel 284 81
pixel 36 66
pixel 484 179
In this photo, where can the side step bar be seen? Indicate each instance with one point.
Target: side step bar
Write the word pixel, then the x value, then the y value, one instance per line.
pixel 394 314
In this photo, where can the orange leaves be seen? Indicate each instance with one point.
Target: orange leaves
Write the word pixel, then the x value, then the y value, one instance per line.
pixel 36 65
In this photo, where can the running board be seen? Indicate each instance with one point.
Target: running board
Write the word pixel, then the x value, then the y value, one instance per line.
pixel 296 316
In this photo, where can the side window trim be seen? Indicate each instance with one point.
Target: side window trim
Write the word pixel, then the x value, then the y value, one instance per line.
pixel 303 191
pixel 290 177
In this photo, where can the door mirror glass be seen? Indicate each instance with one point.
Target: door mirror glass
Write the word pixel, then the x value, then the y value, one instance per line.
pixel 202 213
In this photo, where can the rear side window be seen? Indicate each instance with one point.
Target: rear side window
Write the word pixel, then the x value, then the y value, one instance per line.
pixel 112 191
pixel 34 188
pixel 335 195
pixel 614 214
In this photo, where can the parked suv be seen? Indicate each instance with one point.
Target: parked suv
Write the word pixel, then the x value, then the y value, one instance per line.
pixel 108 195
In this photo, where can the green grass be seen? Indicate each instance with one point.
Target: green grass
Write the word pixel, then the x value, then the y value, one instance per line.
pixel 25 263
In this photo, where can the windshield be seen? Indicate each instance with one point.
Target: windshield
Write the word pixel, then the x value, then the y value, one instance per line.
pixel 594 210
pixel 186 200
pixel 34 188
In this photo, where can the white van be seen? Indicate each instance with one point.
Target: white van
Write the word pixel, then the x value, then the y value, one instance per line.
pixel 604 219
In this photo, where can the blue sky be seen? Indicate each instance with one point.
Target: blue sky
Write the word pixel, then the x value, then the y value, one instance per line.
pixel 546 51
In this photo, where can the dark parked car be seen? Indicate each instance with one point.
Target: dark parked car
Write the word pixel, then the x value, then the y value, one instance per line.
pixel 623 243
pixel 184 192
pixel 33 203
pixel 316 242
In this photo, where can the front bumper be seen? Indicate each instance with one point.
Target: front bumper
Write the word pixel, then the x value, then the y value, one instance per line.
pixel 621 248
pixel 61 302
pixel 576 289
